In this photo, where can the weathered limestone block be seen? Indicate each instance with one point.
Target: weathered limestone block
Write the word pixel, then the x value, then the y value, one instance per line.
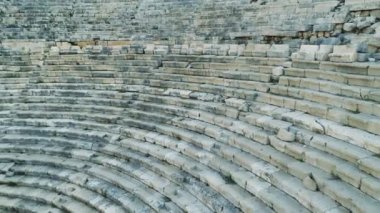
pixel 260 50
pixel 236 50
pixel 248 50
pixel 310 183
pixel 184 49
pixel 209 49
pixel 278 71
pixel 5 167
pixel 176 49
pixel 370 185
pixel 307 52
pixel 374 42
pixel 343 53
pixel 371 165
pixel 240 104
pixel 149 49
pixel 54 50
pixel 196 49
pixel 279 51
pixel 161 50
pixel 323 53
pixel 97 49
pixel 223 49
pixel 348 27
pixel 363 22
pixel 286 135
pixel 24 46
pixel 136 49
pixel 374 69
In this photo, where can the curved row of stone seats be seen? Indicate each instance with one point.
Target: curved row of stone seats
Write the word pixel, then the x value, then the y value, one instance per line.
pixel 55 19
pixel 88 197
pixel 16 122
pixel 102 187
pixel 231 197
pixel 156 166
pixel 62 202
pixel 146 19
pixel 171 190
pixel 113 149
pixel 216 204
pixel 334 53
pixel 156 109
pixel 8 204
pixel 172 101
pixel 98 166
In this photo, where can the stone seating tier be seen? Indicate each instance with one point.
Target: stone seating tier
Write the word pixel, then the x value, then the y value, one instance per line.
pixel 203 128
pixel 311 21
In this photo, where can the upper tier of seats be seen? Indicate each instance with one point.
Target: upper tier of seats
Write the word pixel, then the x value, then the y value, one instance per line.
pixel 314 21
pixel 188 128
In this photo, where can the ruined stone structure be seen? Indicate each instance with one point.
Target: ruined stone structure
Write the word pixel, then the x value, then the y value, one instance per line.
pixel 190 106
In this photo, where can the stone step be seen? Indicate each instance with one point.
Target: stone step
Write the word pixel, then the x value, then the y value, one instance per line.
pixel 76 134
pixel 73 191
pixel 343 78
pixel 113 130
pixel 9 204
pixel 35 114
pixel 350 68
pixel 54 199
pixel 16 69
pixel 76 61
pixel 321 98
pixel 232 74
pixel 88 68
pixel 12 74
pixel 75 79
pixel 226 59
pixel 249 85
pixel 14 80
pixel 363 93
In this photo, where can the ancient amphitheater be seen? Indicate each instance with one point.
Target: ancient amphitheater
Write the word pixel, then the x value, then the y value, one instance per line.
pixel 190 106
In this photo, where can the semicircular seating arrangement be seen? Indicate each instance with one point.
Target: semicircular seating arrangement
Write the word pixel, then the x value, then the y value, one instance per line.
pixel 188 128
pixel 194 106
